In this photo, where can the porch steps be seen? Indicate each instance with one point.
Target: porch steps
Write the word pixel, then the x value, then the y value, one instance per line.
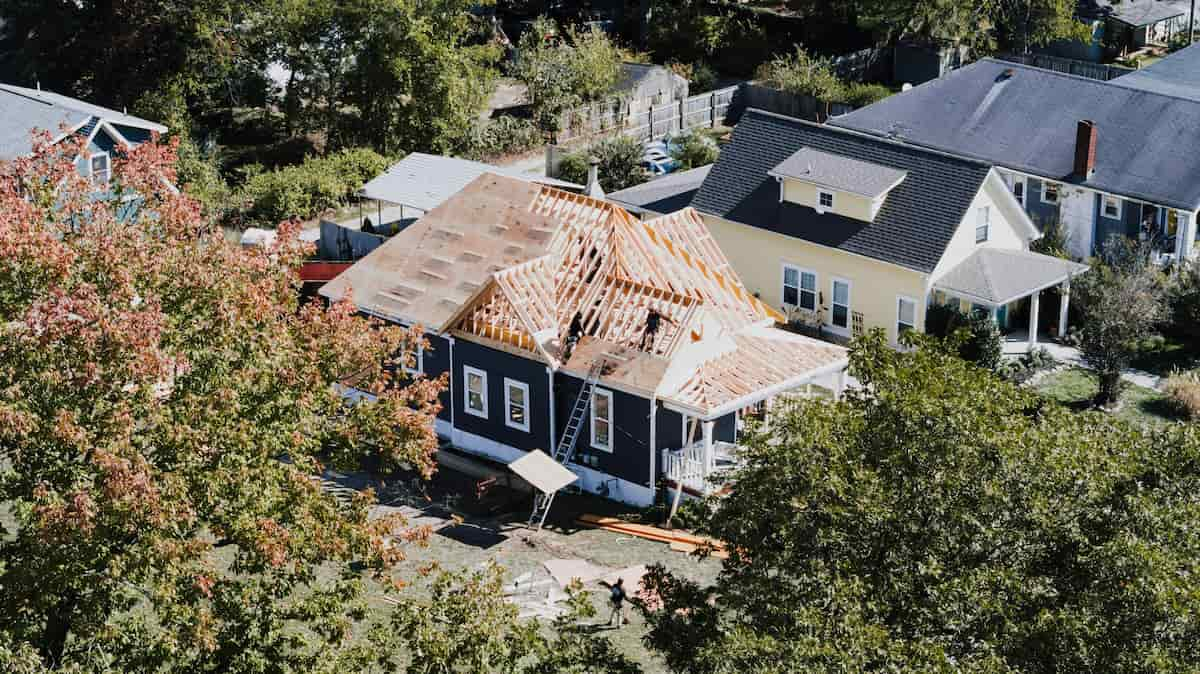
pixel 679 541
pixel 566 445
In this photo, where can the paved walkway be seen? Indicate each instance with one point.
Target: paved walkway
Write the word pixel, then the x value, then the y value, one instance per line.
pixel 1017 344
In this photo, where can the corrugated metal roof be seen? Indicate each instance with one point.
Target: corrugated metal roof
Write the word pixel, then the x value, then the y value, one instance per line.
pixel 1025 118
pixel 913 225
pixel 424 181
pixel 839 173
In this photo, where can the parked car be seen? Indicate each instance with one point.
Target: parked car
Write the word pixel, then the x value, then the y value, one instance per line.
pixel 656 160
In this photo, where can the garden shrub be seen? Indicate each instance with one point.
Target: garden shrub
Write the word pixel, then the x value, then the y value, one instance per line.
pixel 981 344
pixel 1183 296
pixel 620 164
pixel 1183 390
pixel 861 94
pixel 1021 369
pixel 267 198
pixel 694 149
pixel 503 136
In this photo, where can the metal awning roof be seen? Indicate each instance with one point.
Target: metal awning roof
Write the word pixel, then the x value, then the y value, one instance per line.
pixel 543 472
pixel 997 276
pixel 424 181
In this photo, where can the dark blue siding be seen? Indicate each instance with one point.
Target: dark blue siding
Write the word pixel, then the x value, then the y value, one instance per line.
pixel 498 365
pixel 630 458
pixel 668 430
pixel 435 362
pixel 1107 227
pixel 725 430
pixel 1039 212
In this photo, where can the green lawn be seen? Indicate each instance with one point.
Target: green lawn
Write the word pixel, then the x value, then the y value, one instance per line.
pixel 1076 387
pixel 1174 355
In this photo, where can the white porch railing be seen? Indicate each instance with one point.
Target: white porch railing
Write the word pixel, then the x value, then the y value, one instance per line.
pixel 687 465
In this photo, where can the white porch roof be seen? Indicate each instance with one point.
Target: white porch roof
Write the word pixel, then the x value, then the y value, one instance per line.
pixel 997 276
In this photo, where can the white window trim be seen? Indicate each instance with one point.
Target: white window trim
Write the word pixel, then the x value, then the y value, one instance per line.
pixel 1104 199
pixel 420 362
pixel 1057 192
pixel 832 201
pixel 849 306
pixel 607 395
pixel 800 272
pixel 107 166
pixel 1020 180
pixel 483 396
pixel 986 226
pixel 509 385
pixel 905 298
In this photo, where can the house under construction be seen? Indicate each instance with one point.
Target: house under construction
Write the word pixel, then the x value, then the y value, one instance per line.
pixel 624 349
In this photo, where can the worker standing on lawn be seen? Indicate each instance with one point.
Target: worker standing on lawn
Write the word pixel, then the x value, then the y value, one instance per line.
pixel 617 597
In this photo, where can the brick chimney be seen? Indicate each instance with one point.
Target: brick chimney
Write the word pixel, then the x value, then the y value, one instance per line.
pixel 1085 149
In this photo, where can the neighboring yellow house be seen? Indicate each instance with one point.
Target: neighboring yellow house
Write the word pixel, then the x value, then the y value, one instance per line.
pixel 858 232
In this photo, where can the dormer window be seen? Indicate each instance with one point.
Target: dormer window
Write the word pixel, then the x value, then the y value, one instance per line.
pixel 812 177
pixel 824 201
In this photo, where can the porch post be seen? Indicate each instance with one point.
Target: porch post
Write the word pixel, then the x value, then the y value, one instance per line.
pixel 839 384
pixel 1065 294
pixel 708 449
pixel 1033 318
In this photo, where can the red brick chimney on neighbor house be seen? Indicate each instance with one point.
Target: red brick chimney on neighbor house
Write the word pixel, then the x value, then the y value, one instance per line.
pixel 1085 149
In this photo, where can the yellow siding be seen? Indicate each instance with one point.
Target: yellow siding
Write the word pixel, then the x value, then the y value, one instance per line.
pixel 758 257
pixel 844 203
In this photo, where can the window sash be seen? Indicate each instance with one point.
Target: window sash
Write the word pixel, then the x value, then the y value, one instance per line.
pixel 904 322
pixel 825 199
pixel 1019 190
pixel 516 404
pixel 840 312
pixel 475 392
pixel 99 168
pixel 602 420
pixel 799 288
pixel 1115 205
pixel 1050 193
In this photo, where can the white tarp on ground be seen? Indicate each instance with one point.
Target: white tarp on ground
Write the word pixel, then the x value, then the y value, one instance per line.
pixel 543 472
pixel 566 570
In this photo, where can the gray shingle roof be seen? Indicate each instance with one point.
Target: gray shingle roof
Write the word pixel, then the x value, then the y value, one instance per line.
pixel 22 110
pixel 839 173
pixel 912 227
pixel 1145 141
pixel 1000 276
pixel 662 195
pixel 1136 12
pixel 1177 75
pixel 424 181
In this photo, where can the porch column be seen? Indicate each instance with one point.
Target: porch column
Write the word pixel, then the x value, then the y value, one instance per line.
pixel 839 384
pixel 1065 294
pixel 1033 318
pixel 708 448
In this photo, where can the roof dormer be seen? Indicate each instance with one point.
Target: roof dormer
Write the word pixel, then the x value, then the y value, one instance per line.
pixel 830 183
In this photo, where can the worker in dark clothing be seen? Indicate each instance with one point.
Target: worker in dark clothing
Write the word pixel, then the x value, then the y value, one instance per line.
pixel 653 319
pixel 617 598
pixel 574 332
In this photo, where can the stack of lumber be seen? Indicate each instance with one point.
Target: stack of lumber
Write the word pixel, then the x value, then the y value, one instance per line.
pixel 679 541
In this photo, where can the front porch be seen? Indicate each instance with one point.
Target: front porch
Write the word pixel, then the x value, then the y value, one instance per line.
pixel 995 281
pixel 692 466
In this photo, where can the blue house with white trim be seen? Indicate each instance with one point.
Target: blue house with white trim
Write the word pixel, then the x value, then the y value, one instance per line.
pixel 22 110
pixel 1102 158
pixel 627 349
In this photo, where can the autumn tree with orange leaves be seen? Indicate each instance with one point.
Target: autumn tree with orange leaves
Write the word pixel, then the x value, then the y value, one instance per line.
pixel 162 395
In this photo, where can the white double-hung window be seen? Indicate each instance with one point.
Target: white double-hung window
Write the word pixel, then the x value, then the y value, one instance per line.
pixel 602 420
pixel 799 288
pixel 839 313
pixel 906 315
pixel 475 398
pixel 983 218
pixel 516 404
pixel 100 170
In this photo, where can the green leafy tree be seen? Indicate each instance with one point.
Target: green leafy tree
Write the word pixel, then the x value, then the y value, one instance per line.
pixel 974 336
pixel 983 26
pixel 941 520
pixel 802 73
pixel 1121 301
pixel 1183 296
pixel 620 165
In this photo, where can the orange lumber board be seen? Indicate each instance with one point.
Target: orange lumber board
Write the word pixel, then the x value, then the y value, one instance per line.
pixel 644 531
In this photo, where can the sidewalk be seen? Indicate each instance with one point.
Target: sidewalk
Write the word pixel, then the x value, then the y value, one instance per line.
pixel 1017 344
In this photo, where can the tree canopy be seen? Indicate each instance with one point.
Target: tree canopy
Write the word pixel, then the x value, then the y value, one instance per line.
pixel 940 519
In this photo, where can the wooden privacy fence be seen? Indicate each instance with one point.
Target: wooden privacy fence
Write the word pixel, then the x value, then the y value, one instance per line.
pixel 648 122
pixel 1096 71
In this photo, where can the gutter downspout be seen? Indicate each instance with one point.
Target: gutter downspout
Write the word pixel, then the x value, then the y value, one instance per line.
pixel 453 427
pixel 653 441
pixel 550 377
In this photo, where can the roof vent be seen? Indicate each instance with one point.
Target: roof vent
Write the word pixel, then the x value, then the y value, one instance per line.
pixel 1007 74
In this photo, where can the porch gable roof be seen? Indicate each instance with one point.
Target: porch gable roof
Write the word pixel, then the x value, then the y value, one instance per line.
pixel 997 276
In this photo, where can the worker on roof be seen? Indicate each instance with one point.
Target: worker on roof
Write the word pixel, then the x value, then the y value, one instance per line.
pixel 574 332
pixel 653 319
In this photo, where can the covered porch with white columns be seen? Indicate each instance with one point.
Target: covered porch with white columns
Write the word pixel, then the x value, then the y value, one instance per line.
pixel 996 280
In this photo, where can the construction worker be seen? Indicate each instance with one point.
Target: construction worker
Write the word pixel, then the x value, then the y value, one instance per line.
pixel 653 319
pixel 617 599
pixel 574 332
